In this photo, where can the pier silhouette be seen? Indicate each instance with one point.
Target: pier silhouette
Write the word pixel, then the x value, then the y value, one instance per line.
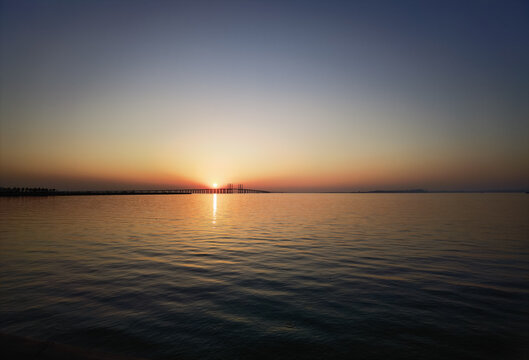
pixel 52 192
pixel 229 189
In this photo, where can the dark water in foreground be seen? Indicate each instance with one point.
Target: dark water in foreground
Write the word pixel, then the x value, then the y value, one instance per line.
pixel 270 275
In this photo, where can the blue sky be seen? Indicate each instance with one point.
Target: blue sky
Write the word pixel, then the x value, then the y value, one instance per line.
pixel 287 95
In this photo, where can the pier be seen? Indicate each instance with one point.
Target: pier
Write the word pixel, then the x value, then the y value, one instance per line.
pixel 216 191
pixel 52 192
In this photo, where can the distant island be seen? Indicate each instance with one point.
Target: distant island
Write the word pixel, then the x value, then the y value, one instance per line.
pixel 411 191
pixel 422 191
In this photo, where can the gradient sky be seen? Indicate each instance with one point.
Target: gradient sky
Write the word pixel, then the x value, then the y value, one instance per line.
pixel 278 95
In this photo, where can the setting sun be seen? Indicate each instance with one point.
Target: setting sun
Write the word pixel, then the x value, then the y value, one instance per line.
pixel 215 185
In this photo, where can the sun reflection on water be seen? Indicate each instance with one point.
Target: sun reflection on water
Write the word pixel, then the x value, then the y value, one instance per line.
pixel 214 209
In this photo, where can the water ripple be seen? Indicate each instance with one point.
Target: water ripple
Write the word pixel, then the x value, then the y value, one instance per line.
pixel 271 276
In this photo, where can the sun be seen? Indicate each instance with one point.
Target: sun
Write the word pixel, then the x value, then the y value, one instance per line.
pixel 215 185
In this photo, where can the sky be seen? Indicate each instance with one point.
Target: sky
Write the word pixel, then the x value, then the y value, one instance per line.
pixel 277 95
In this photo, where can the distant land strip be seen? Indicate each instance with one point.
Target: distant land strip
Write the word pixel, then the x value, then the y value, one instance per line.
pixel 17 191
pixel 421 191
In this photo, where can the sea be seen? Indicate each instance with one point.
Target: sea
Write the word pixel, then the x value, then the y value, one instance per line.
pixel 270 276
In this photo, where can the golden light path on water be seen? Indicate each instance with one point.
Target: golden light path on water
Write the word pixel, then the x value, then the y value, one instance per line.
pixel 214 208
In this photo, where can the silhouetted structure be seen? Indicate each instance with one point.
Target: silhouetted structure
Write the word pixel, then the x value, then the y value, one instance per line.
pixel 227 190
pixel 52 192
pixel 26 191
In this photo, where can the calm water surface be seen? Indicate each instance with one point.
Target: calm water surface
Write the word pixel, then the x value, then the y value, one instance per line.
pixel 270 275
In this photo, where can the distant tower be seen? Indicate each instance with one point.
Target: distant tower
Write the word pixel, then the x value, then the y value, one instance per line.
pixel 240 188
pixel 230 188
